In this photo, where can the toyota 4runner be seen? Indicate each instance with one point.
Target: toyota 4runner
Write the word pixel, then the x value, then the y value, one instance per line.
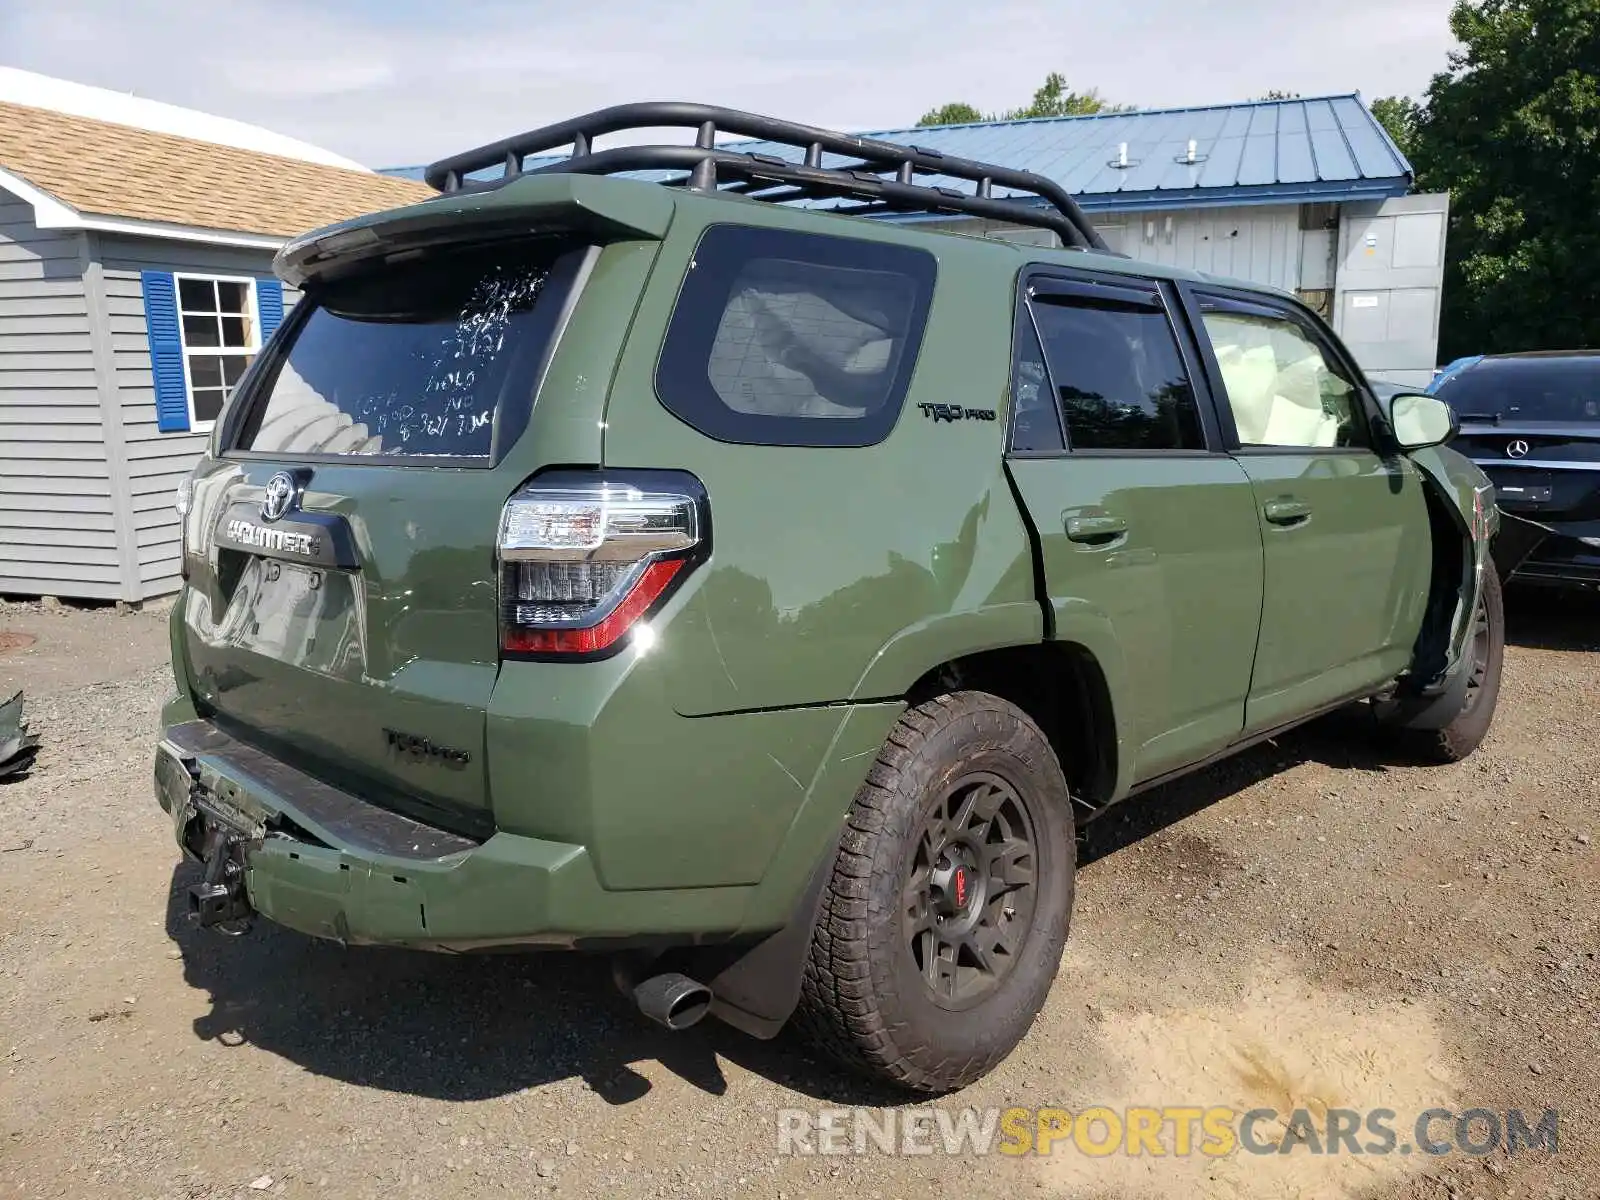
pixel 657 551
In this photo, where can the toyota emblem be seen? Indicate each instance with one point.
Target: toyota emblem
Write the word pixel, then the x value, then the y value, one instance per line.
pixel 278 497
pixel 1517 449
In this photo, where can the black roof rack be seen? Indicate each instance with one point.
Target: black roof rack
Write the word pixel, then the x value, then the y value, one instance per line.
pixel 882 175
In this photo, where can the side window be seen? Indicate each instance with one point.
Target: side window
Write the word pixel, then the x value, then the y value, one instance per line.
pixel 1117 371
pixel 794 339
pixel 1283 388
pixel 1036 425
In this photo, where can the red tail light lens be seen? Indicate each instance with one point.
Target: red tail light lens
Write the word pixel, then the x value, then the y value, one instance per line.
pixel 585 556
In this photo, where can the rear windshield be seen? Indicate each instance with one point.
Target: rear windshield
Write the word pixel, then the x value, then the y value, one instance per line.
pixel 413 362
pixel 1526 389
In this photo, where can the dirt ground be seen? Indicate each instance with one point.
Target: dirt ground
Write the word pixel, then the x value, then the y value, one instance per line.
pixel 1309 925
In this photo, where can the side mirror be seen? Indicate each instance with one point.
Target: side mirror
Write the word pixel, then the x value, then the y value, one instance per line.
pixel 1419 420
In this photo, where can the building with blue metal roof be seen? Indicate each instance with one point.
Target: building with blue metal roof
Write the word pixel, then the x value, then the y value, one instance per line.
pixel 1309 195
pixel 1262 152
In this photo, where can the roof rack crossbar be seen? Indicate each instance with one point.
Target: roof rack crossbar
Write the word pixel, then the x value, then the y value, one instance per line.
pixel 876 171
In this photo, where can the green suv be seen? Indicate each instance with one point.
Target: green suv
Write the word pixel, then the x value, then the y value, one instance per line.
pixel 658 552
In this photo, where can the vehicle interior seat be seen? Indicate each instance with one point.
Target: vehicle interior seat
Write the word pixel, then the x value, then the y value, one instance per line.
pixel 1273 404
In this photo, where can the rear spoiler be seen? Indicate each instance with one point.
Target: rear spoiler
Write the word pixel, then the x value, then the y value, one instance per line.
pixel 598 208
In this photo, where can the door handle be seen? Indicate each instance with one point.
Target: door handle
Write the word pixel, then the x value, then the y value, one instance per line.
pixel 1287 511
pixel 1095 531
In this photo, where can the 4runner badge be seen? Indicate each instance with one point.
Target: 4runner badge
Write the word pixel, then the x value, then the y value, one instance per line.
pixel 954 412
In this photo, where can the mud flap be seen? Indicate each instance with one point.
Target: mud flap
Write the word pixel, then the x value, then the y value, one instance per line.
pixel 756 988
pixel 1433 710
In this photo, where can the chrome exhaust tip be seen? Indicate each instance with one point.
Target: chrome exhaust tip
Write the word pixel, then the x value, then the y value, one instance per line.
pixel 673 1000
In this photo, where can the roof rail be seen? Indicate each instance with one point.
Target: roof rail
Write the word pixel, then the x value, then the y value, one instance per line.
pixel 883 175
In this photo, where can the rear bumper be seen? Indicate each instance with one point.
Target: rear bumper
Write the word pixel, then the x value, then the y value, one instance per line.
pixel 332 865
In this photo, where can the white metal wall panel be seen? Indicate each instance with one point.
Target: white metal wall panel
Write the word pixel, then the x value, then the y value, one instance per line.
pixel 1258 243
pixel 1317 250
pixel 1390 282
pixel 1384 265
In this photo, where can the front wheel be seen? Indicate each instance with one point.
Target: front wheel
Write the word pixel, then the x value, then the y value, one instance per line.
pixel 1464 727
pixel 944 920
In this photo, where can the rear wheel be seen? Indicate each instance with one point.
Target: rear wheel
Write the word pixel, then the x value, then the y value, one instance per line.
pixel 944 920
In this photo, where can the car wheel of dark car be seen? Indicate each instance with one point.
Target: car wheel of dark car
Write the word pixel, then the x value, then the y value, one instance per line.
pixel 943 924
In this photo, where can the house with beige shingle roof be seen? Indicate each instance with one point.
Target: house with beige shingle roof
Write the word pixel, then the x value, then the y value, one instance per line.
pixel 136 286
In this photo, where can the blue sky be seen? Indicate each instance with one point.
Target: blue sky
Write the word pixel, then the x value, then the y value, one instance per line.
pixel 403 82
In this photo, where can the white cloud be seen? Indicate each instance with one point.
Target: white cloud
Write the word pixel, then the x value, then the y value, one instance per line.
pixel 403 81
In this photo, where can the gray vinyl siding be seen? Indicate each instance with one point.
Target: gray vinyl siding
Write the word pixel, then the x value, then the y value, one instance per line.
pixel 58 529
pixel 156 461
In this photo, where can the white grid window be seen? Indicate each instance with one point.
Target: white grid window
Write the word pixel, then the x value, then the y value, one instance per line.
pixel 221 335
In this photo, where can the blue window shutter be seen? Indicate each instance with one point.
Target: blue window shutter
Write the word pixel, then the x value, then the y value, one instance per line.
pixel 166 351
pixel 269 306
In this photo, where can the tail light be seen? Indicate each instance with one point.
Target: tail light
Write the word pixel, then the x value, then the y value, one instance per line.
pixel 585 555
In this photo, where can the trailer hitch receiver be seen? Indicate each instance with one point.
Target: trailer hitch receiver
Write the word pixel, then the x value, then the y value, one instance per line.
pixel 219 899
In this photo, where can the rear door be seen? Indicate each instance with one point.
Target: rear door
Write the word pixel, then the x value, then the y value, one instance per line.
pixel 343 605
pixel 1345 530
pixel 1145 528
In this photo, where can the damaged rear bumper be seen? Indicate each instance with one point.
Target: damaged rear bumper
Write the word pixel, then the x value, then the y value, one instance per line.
pixel 306 855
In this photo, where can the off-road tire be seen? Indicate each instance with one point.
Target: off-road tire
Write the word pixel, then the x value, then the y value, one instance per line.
pixel 1486 654
pixel 865 1000
pixel 1464 734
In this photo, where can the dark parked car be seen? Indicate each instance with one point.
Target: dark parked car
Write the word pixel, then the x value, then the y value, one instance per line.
pixel 1532 422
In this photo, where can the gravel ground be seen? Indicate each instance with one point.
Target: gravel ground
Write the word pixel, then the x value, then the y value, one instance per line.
pixel 1308 925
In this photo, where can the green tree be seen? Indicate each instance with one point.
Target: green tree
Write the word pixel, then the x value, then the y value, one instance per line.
pixel 1400 115
pixel 1512 131
pixel 1052 99
pixel 956 113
